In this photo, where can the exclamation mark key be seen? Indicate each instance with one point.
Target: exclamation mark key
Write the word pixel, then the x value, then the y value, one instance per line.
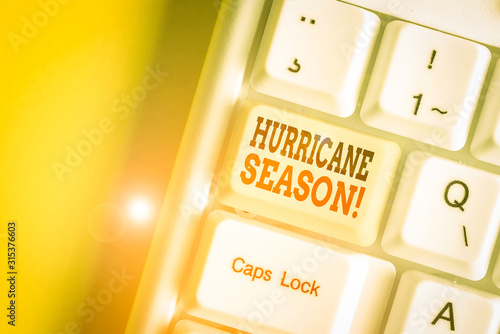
pixel 431 84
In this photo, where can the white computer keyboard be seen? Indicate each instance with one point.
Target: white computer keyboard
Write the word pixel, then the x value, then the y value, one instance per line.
pixel 340 173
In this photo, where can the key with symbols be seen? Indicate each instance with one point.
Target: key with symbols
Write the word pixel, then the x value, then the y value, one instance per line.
pixel 421 89
pixel 314 53
pixel 445 215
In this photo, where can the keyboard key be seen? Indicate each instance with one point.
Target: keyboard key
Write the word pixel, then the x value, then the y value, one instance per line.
pixel 428 304
pixel 308 173
pixel 261 279
pixel 421 89
pixel 315 53
pixel 445 215
pixel 191 327
pixel 486 142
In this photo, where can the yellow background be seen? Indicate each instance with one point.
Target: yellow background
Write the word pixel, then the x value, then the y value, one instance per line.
pixel 66 67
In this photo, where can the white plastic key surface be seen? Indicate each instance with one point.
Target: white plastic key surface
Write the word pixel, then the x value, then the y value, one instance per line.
pixel 262 279
pixel 314 53
pixel 486 142
pixel 425 85
pixel 432 305
pixel 308 173
pixel 445 215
